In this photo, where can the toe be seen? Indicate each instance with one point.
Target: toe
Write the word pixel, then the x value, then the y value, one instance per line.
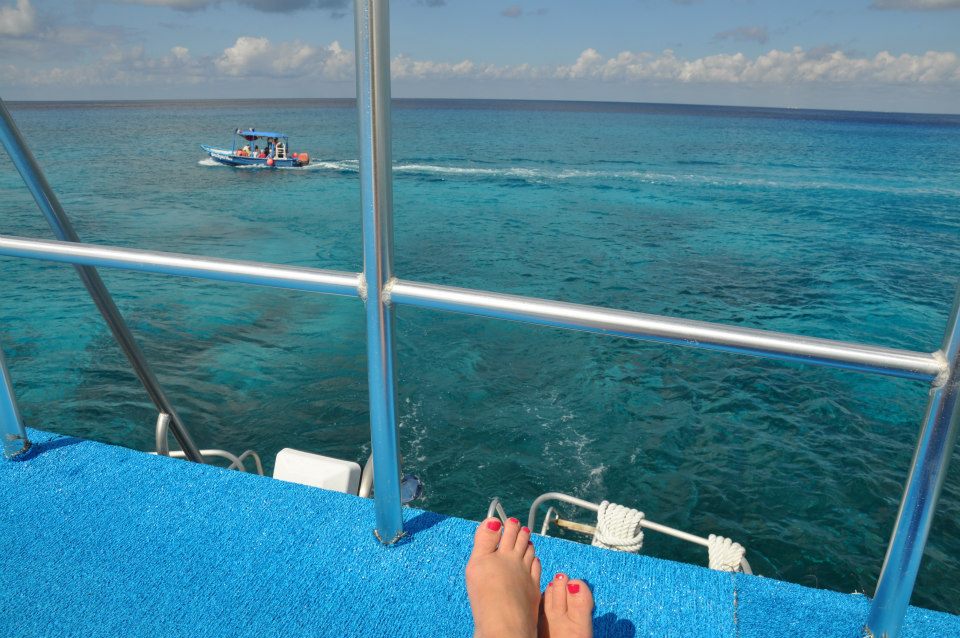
pixel 487 536
pixel 510 532
pixel 523 540
pixel 529 555
pixel 579 601
pixel 535 570
pixel 555 598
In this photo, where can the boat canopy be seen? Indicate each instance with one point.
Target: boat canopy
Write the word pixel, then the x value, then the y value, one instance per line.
pixel 253 134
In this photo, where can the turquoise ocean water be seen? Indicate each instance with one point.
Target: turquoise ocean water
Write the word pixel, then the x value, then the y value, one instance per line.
pixel 840 225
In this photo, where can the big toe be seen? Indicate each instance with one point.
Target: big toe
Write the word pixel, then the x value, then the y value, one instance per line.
pixel 579 602
pixel 487 537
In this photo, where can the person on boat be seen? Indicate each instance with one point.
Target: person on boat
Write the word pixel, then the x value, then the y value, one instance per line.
pixel 503 585
pixel 256 150
pixel 245 151
pixel 269 148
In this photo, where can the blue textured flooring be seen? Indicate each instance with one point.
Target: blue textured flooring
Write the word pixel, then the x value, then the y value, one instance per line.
pixel 104 541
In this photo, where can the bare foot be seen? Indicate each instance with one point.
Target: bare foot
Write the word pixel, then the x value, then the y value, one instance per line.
pixel 503 581
pixel 567 609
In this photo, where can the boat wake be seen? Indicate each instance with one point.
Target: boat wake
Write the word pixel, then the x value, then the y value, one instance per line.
pixel 535 175
pixel 539 175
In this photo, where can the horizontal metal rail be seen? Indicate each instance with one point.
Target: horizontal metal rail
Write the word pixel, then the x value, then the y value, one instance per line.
pixel 232 270
pixel 634 325
pixel 684 332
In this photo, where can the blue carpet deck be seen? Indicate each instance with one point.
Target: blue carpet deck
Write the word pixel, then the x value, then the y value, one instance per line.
pixel 104 541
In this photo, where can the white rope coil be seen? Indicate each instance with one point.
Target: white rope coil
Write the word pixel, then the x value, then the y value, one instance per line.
pixel 618 527
pixel 725 555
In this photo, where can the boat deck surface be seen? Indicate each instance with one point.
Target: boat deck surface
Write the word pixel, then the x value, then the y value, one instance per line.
pixel 105 541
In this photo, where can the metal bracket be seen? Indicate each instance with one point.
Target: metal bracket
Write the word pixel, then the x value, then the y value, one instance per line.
pixel 392 541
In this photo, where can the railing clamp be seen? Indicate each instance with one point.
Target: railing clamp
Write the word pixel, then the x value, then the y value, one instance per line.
pixel 362 287
pixel 944 375
pixel 388 290
pixel 392 541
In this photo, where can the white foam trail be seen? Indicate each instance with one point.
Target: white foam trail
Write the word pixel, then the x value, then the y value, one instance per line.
pixel 646 177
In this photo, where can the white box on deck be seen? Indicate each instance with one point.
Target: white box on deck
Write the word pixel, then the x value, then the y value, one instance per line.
pixel 316 470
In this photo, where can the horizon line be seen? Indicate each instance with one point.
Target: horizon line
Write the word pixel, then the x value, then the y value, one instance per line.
pixel 457 99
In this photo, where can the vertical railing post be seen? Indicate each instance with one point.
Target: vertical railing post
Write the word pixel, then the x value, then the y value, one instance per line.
pixel 14 435
pixel 927 473
pixel 62 228
pixel 376 199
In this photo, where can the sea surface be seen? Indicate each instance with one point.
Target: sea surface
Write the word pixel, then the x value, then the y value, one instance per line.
pixel 833 224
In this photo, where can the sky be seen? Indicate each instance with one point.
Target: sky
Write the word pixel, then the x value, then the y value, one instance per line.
pixel 879 55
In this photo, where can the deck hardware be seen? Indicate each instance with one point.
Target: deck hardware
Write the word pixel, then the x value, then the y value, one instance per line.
pixel 362 287
pixel 392 541
pixel 497 508
pixel 236 462
pixel 372 29
pixel 411 488
pixel 388 290
pixel 552 518
pixel 15 441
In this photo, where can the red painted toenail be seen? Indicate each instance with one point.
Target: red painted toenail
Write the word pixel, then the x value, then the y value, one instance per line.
pixel 549 585
pixel 493 526
pixel 512 520
pixel 573 588
pixel 559 576
pixel 525 529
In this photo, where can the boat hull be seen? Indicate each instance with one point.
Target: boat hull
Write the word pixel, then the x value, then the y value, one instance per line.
pixel 227 158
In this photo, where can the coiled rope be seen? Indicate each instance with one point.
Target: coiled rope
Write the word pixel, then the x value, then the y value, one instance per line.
pixel 618 527
pixel 725 555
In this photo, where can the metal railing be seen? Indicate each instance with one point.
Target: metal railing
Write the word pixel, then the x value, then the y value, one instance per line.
pixel 552 517
pixel 62 228
pixel 378 287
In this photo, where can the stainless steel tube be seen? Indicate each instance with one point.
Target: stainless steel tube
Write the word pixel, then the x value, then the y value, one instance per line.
pixel 372 22
pixel 646 327
pixel 927 473
pixel 634 325
pixel 57 218
pixel 14 434
pixel 232 270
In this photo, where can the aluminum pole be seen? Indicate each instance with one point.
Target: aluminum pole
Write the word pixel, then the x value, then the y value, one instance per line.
pixel 927 473
pixel 231 270
pixel 57 218
pixel 684 332
pixel 782 346
pixel 14 435
pixel 372 22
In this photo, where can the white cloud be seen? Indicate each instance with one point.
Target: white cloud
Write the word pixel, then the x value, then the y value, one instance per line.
pixel 916 5
pixel 182 5
pixel 745 34
pixel 337 8
pixel 18 20
pixel 827 66
pixel 774 66
pixel 258 57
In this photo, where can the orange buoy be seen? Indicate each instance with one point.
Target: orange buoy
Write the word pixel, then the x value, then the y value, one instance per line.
pixel 304 158
pixel 295 155
pixel 270 162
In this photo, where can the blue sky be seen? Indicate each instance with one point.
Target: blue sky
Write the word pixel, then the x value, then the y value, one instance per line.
pixel 897 55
